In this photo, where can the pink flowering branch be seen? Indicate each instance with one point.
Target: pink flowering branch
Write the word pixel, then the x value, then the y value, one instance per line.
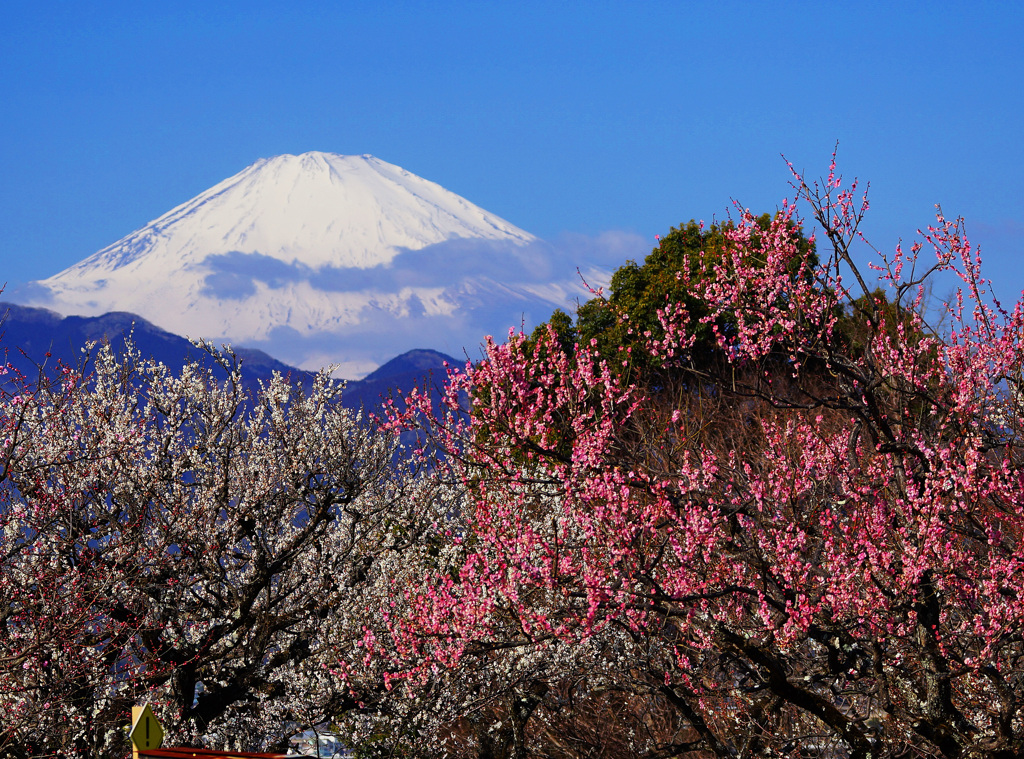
pixel 828 513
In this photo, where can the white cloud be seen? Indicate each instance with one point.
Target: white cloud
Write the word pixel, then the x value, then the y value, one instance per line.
pixel 488 288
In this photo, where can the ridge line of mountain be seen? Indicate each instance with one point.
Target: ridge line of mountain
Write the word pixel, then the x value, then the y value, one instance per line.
pixel 36 339
pixel 320 255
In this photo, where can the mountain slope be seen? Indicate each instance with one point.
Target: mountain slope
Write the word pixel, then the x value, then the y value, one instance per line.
pixel 35 340
pixel 315 209
pixel 320 257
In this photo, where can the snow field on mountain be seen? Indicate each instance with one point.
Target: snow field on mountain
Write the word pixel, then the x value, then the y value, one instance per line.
pixel 325 258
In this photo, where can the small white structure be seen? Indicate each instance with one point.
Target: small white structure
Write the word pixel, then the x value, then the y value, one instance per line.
pixel 318 742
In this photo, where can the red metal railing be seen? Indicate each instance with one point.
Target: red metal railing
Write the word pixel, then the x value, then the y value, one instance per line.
pixel 189 753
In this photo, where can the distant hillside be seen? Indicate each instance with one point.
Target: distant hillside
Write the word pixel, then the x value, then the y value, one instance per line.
pixel 411 369
pixel 36 340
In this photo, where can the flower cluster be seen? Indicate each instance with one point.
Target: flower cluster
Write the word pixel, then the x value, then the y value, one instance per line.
pixel 810 538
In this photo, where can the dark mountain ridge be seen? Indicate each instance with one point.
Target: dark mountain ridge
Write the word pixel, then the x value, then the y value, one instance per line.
pixel 37 340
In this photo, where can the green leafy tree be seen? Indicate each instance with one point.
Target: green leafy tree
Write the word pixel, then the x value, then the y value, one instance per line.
pixel 622 325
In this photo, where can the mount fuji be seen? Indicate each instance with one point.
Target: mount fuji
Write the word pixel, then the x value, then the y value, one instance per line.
pixel 322 259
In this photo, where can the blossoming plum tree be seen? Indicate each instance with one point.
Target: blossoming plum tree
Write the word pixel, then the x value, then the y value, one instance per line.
pixel 806 544
pixel 797 532
pixel 166 538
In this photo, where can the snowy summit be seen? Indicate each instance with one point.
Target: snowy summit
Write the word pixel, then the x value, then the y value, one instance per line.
pixel 318 258
pixel 317 209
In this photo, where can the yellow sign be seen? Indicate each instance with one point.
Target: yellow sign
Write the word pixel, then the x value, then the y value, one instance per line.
pixel 146 732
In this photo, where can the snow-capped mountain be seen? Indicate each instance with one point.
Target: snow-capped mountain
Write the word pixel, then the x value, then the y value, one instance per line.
pixel 323 258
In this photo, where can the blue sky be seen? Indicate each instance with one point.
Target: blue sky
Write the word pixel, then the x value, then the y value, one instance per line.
pixel 562 117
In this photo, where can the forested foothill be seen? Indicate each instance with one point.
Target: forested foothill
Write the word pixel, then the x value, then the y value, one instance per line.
pixel 759 500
